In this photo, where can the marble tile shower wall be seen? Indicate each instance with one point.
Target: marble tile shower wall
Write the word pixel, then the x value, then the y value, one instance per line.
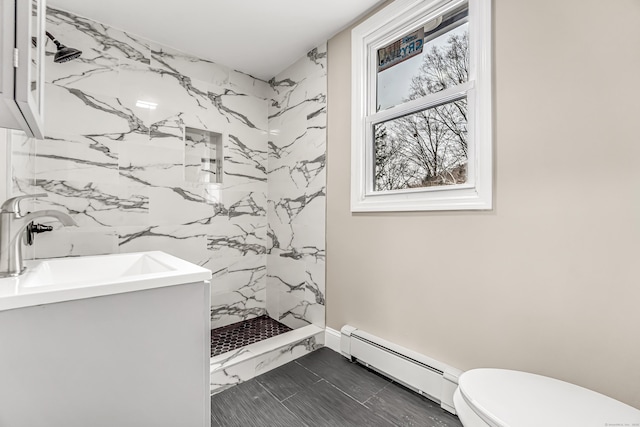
pixel 119 168
pixel 297 184
pixel 23 170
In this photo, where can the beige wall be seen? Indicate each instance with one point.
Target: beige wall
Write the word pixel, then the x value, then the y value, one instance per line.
pixel 549 280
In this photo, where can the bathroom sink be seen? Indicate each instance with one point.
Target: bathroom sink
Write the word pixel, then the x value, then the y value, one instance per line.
pixel 63 279
pixel 84 270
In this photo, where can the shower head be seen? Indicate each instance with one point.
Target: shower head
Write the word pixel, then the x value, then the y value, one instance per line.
pixel 64 53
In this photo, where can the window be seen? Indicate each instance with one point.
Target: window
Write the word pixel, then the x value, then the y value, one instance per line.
pixel 421 107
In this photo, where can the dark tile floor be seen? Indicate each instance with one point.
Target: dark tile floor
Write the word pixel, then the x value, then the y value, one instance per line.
pixel 231 337
pixel 324 389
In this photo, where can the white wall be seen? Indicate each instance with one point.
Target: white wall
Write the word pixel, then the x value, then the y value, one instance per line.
pixel 548 280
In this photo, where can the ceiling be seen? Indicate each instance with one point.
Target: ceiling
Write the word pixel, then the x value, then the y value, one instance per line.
pixel 257 37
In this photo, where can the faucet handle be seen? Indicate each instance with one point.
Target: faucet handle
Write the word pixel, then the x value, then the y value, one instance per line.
pixel 12 205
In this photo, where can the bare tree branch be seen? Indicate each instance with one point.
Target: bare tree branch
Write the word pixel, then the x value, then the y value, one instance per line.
pixel 429 147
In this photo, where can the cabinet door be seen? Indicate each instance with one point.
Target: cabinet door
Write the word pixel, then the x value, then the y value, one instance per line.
pixel 30 41
pixel 7 19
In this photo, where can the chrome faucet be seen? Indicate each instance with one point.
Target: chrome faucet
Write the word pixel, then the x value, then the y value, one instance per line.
pixel 12 227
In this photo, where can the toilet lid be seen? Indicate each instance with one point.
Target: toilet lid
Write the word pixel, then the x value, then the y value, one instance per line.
pixel 504 398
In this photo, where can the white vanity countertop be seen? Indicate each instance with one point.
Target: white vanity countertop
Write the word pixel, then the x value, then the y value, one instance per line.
pixel 54 280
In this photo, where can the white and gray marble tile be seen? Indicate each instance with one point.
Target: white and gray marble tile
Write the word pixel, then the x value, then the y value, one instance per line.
pixel 181 205
pixel 72 112
pixel 297 182
pixel 97 40
pixel 223 378
pixel 229 240
pixel 299 164
pixel 304 99
pixel 23 161
pixel 296 227
pixel 272 295
pixel 78 157
pixel 165 168
pixel 244 83
pixel 122 171
pixel 287 353
pixel 241 365
pixel 305 68
pixel 177 240
pixel 245 167
pixel 238 290
pixel 300 288
pixel 103 49
pixel 315 295
pixel 21 175
pixel 175 61
pixel 95 204
pixel 72 241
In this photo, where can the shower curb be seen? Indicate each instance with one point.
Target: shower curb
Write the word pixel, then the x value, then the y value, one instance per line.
pixel 234 367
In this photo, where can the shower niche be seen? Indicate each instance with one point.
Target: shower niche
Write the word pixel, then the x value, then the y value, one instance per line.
pixel 203 156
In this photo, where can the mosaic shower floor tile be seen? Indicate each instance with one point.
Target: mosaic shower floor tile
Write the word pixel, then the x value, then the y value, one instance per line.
pixel 232 337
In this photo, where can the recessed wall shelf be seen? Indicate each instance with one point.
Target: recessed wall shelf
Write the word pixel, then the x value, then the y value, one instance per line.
pixel 203 156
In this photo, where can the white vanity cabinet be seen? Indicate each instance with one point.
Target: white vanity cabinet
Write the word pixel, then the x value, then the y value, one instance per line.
pixel 22 43
pixel 131 359
pixel 103 341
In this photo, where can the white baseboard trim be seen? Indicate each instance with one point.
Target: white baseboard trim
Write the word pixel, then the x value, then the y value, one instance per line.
pixel 332 339
pixel 422 374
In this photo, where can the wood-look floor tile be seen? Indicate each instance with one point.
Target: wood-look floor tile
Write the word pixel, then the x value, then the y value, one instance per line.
pixel 250 405
pixel 214 422
pixel 324 389
pixel 406 408
pixel 287 380
pixel 323 405
pixel 351 378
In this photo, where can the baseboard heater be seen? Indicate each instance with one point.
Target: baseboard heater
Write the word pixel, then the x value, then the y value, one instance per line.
pixel 420 373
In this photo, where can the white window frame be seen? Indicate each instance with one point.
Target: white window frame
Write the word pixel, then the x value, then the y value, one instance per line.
pixel 391 23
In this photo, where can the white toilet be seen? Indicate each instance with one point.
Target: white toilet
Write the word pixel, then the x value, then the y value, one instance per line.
pixel 504 398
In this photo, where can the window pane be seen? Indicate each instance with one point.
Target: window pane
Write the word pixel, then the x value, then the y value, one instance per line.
pixel 443 63
pixel 423 149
